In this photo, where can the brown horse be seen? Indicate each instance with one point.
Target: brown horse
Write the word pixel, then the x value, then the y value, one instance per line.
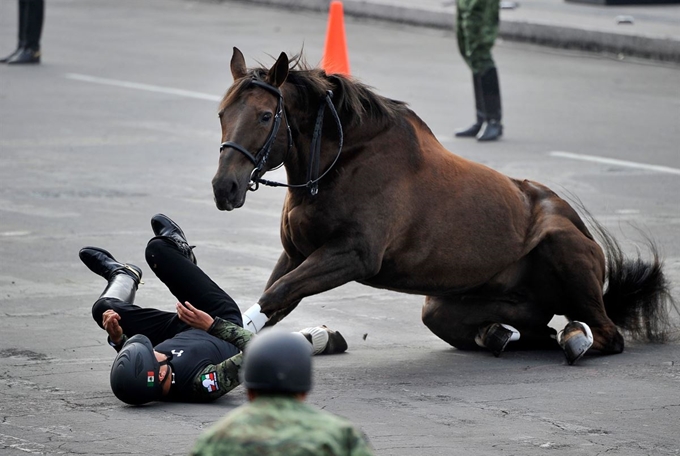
pixel 373 197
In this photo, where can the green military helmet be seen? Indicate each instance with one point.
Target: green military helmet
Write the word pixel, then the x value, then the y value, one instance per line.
pixel 278 362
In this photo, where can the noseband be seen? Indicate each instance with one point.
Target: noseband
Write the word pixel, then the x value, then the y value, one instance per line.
pixel 315 150
pixel 266 148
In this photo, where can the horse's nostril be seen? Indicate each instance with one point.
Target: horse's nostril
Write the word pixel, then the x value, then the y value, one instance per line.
pixel 224 189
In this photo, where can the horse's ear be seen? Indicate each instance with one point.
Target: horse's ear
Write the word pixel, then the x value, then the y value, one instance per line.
pixel 279 72
pixel 238 64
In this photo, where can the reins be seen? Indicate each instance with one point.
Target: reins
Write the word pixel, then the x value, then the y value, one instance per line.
pixel 313 177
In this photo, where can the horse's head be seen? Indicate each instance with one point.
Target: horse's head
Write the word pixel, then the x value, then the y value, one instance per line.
pixel 251 115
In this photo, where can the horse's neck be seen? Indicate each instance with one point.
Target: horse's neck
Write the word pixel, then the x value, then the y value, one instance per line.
pixel 297 164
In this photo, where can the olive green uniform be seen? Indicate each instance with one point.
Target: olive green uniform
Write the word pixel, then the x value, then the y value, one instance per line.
pixel 476 31
pixel 281 426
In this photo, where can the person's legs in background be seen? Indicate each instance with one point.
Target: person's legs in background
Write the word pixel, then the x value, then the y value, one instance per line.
pixel 476 30
pixel 31 18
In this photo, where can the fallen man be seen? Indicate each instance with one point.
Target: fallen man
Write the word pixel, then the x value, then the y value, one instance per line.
pixel 193 355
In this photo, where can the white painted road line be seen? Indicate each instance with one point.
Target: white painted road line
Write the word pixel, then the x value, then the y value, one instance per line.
pixel 615 162
pixel 146 87
pixel 206 96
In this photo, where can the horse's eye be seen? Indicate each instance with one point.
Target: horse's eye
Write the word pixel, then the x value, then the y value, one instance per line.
pixel 266 117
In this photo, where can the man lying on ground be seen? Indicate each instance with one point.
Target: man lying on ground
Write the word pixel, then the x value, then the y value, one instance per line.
pixel 193 355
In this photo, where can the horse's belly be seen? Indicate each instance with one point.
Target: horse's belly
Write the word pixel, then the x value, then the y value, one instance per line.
pixel 436 275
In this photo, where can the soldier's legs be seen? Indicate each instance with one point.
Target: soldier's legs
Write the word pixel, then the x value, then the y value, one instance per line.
pixel 31 13
pixel 34 23
pixel 119 296
pixel 478 27
pixel 187 282
pixel 157 325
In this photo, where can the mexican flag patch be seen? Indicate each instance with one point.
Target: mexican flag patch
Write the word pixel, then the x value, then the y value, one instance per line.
pixel 209 381
pixel 149 378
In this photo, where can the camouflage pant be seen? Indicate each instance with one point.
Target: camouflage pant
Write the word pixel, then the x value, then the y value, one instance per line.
pixel 476 31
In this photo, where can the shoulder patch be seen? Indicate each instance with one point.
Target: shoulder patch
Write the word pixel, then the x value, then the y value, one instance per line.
pixel 209 381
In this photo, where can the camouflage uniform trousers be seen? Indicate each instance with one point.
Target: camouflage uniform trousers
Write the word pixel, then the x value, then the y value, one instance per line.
pixel 281 426
pixel 476 31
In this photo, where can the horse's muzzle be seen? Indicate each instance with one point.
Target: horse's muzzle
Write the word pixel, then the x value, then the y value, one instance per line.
pixel 228 195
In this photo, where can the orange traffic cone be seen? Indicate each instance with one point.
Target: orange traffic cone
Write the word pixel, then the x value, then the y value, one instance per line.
pixel 335 58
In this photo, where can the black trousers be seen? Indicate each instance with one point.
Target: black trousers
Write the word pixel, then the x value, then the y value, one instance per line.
pixel 31 16
pixel 186 281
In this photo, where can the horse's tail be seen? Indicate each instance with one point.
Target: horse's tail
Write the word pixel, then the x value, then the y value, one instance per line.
pixel 637 296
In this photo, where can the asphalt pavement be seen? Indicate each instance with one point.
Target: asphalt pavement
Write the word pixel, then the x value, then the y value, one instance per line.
pixel 119 122
pixel 651 31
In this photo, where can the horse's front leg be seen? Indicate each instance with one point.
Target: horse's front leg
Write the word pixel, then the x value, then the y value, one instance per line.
pixel 328 267
pixel 284 265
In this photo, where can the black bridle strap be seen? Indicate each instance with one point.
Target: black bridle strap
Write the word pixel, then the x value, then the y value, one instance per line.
pixel 266 148
pixel 313 177
pixel 315 150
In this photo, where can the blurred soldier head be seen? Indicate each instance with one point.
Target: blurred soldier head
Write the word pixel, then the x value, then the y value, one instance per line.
pixel 277 362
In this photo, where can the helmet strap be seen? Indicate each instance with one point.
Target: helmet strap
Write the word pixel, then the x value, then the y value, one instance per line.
pixel 169 371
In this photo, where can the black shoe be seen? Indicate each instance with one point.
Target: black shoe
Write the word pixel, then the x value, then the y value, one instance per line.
pixel 490 131
pixel 104 264
pixel 164 227
pixel 471 131
pixel 25 56
pixel 6 59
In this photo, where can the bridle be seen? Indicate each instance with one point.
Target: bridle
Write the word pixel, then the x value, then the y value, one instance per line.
pixel 315 150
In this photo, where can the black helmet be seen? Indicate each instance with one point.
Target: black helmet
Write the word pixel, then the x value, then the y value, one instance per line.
pixel 134 373
pixel 277 361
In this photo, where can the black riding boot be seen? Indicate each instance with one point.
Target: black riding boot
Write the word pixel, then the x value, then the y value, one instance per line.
pixel 123 278
pixel 164 228
pixel 31 14
pixel 472 130
pixel 492 128
pixel 21 40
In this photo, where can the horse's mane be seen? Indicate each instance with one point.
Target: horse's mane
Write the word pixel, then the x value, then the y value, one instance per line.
pixel 354 101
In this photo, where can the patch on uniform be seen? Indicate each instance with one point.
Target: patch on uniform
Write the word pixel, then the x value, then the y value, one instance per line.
pixel 149 378
pixel 209 381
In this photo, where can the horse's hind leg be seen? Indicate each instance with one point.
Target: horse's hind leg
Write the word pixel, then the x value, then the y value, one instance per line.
pixel 459 321
pixel 573 274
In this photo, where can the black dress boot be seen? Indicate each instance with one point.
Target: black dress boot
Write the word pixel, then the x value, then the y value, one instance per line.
pixel 123 278
pixel 21 41
pixel 104 264
pixel 165 228
pixel 6 59
pixel 472 130
pixel 492 128
pixel 25 55
pixel 31 15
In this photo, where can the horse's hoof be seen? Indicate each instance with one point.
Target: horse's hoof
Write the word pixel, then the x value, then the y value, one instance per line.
pixel 575 339
pixel 495 338
pixel 336 343
pixel 324 340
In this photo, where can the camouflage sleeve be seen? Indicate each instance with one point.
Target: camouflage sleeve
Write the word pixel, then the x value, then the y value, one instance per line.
pixel 358 443
pixel 216 380
pixel 230 332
